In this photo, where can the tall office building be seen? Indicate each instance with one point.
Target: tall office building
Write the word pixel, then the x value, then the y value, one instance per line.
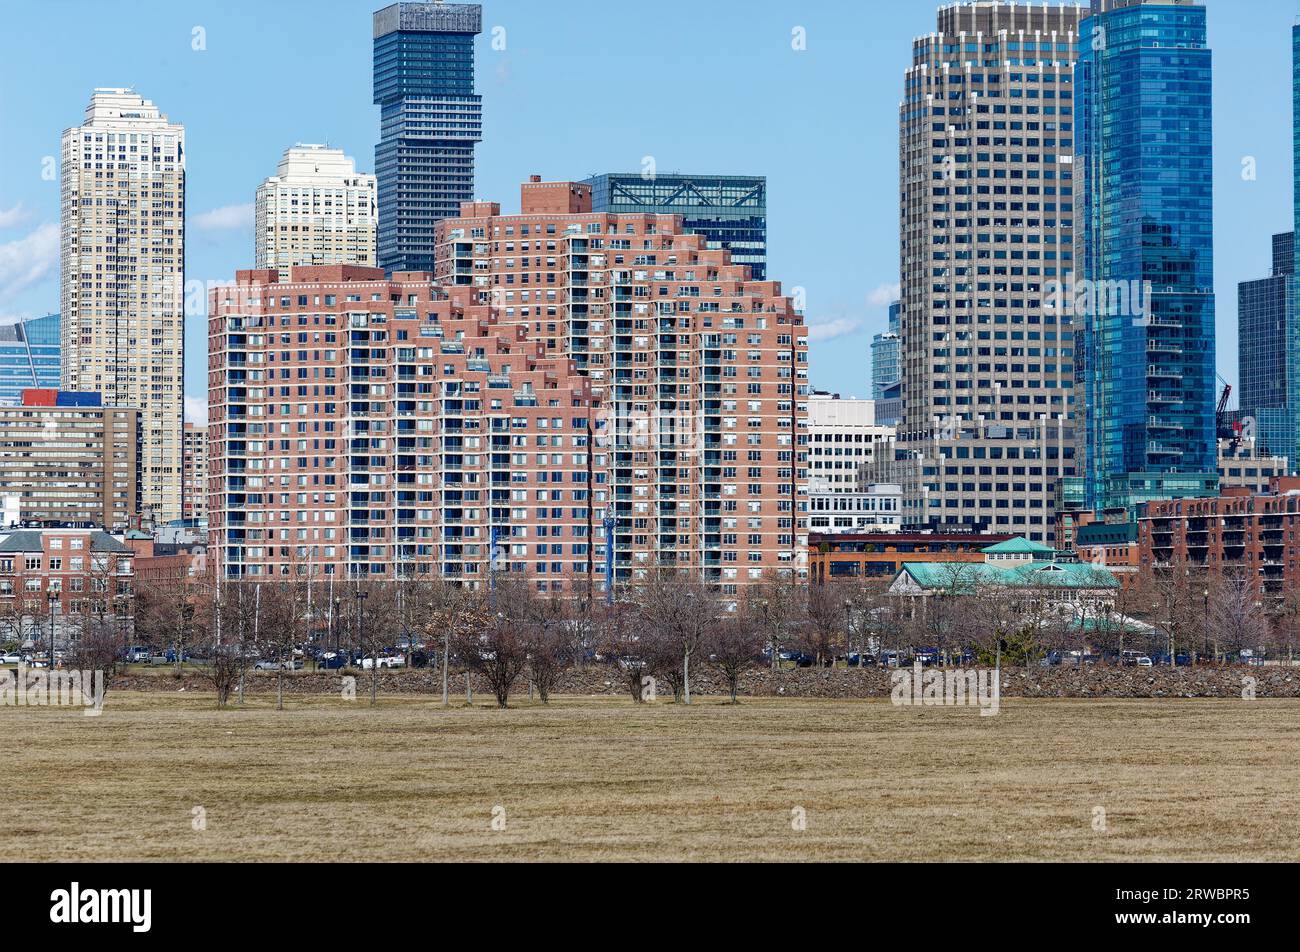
pixel 843 437
pixel 1268 363
pixel 316 209
pixel 700 370
pixel 987 221
pixel 1146 252
pixel 123 276
pixel 730 211
pixel 420 436
pixel 66 458
pixel 429 120
pixel 29 357
pixel 885 352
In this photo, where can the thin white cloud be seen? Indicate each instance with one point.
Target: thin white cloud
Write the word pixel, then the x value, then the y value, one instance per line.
pixel 29 260
pixel 824 330
pixel 13 217
pixel 227 218
pixel 884 295
pixel 196 410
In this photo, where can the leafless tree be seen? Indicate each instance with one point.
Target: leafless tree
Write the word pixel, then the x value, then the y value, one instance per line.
pixel 95 650
pixel 282 624
pixel 778 606
pixel 618 633
pixel 451 613
pixel 734 645
pixel 829 617
pixel 551 644
pixel 677 607
pixel 1173 602
pixel 221 666
pixel 497 653
pixel 1285 624
pixel 1235 619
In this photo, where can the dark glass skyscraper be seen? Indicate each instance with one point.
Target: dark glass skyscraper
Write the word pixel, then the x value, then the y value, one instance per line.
pixel 430 118
pixel 728 210
pixel 1146 252
pixel 1268 363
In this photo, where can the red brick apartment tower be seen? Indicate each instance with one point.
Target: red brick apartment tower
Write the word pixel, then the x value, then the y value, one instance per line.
pixel 701 372
pixel 363 426
pixel 1254 536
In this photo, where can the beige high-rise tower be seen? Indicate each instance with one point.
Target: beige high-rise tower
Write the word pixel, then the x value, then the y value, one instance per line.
pixel 317 209
pixel 123 276
pixel 987 217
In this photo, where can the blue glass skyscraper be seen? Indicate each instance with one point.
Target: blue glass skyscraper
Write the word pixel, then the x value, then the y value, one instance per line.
pixel 29 357
pixel 1146 259
pixel 430 118
pixel 885 354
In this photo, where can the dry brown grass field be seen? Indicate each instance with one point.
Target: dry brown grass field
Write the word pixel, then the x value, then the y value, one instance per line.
pixel 601 779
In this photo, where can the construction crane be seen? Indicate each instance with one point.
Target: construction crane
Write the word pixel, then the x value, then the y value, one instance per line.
pixel 1225 428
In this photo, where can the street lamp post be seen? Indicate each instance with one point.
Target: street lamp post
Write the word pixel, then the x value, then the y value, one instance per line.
pixel 1206 640
pixel 187 614
pixel 54 601
pixel 361 638
pixel 848 631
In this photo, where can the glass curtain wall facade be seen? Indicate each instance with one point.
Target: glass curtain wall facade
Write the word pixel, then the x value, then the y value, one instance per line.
pixel 884 356
pixel 1146 254
pixel 430 119
pixel 29 357
pixel 1267 361
pixel 730 211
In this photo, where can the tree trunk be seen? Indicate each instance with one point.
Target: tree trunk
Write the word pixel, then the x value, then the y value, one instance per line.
pixel 279 689
pixel 686 676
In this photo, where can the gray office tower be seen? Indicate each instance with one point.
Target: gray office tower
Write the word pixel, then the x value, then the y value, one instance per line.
pixel 730 211
pixel 429 120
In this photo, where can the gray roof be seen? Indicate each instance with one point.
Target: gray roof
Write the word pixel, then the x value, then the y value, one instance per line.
pixel 29 540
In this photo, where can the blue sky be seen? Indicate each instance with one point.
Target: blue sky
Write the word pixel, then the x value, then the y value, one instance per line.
pixel 582 86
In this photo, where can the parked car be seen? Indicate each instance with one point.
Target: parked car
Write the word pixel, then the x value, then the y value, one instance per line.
pixel 10 658
pixel 266 664
pixel 389 661
pixel 332 660
pixel 137 655
pixel 1143 662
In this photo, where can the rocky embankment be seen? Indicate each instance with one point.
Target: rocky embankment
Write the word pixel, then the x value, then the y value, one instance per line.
pixel 1054 682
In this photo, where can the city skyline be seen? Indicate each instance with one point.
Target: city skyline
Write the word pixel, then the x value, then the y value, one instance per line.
pixel 195 86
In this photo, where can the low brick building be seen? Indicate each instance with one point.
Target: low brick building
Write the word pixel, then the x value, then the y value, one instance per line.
pixel 882 555
pixel 73 574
